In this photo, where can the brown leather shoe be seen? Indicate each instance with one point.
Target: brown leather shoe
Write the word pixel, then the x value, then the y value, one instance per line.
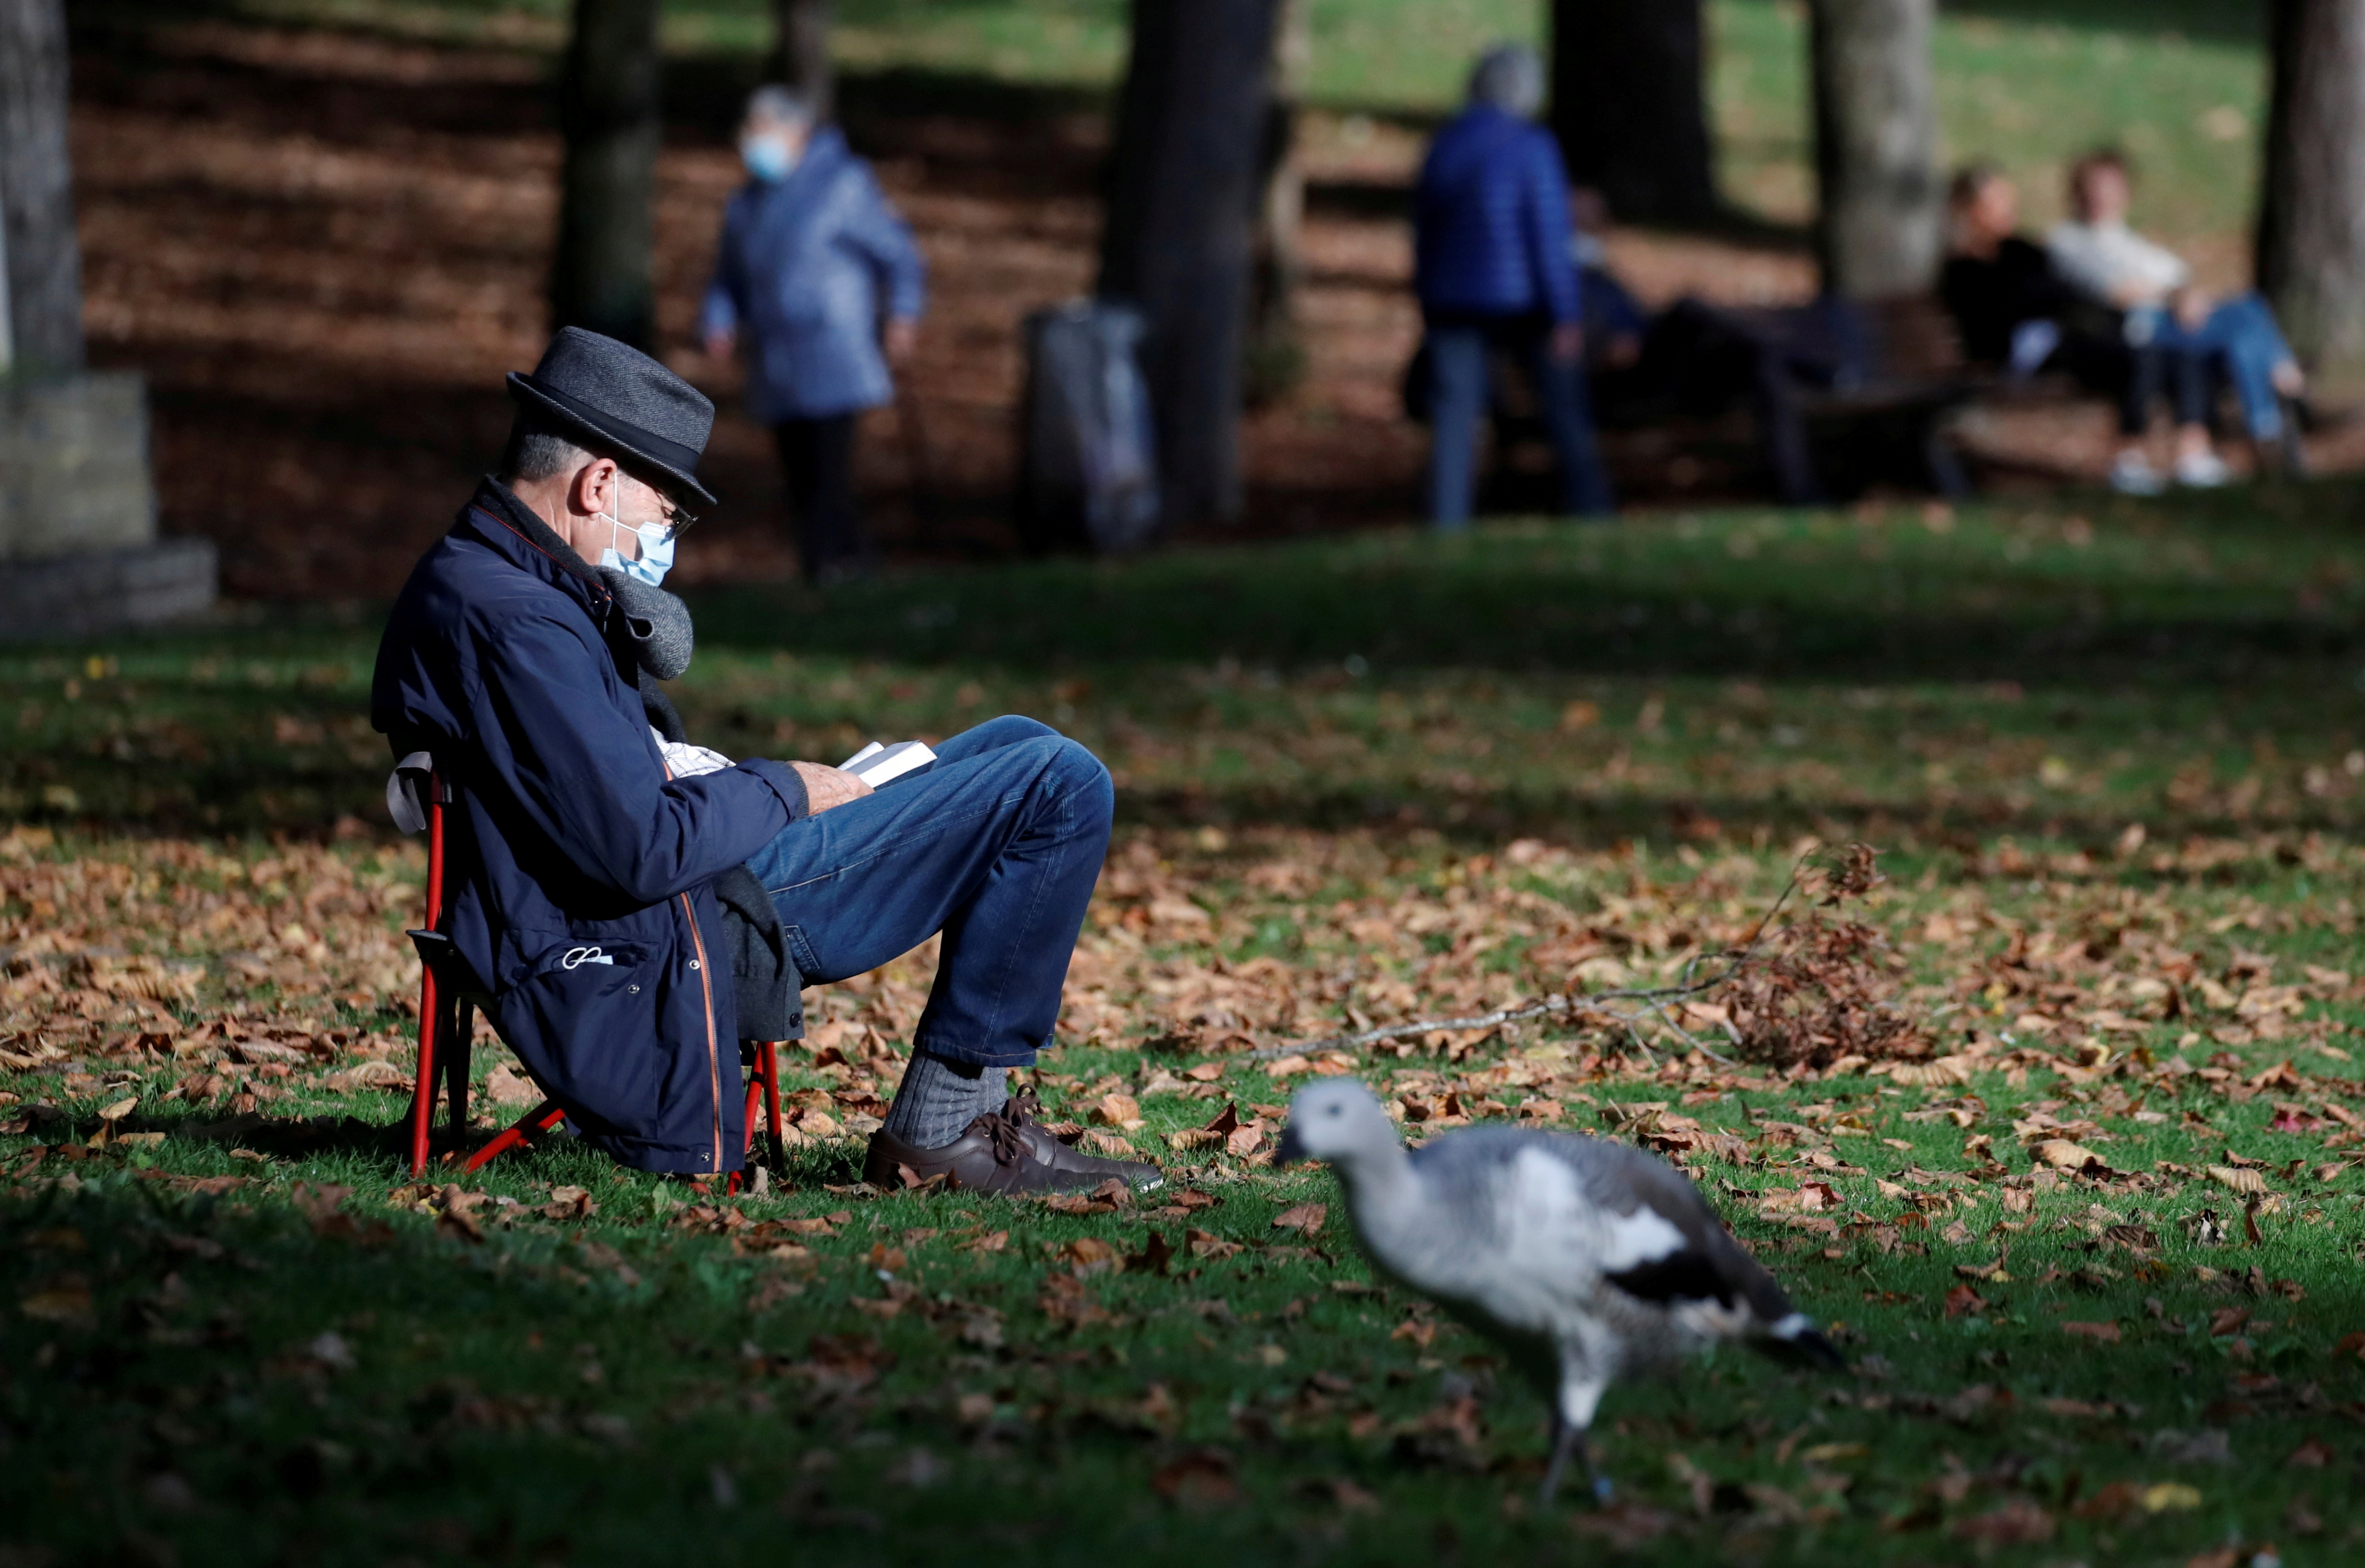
pixel 994 1155
pixel 1023 1110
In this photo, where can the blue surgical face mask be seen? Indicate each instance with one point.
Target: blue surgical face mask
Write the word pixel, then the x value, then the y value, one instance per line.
pixel 768 156
pixel 657 552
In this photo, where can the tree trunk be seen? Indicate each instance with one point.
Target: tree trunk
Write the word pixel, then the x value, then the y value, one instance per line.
pixel 799 57
pixel 608 113
pixel 1276 356
pixel 1182 204
pixel 40 260
pixel 1883 208
pixel 2311 242
pixel 1630 105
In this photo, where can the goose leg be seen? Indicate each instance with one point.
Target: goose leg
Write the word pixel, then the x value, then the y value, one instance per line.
pixel 1566 1438
pixel 1602 1490
pixel 1579 1397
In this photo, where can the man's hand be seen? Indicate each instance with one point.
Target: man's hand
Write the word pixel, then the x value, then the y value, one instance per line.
pixel 1568 342
pixel 826 787
pixel 721 341
pixel 900 338
pixel 2192 307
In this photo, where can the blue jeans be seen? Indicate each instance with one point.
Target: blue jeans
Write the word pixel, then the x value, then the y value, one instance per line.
pixel 1457 400
pixel 2241 340
pixel 996 844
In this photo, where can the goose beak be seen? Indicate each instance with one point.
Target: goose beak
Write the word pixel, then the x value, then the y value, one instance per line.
pixel 1290 1150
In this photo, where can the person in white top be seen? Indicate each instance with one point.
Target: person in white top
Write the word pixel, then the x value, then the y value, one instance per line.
pixel 2162 310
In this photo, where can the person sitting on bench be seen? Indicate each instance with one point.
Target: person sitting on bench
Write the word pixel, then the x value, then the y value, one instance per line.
pixel 2113 266
pixel 584 846
pixel 2018 316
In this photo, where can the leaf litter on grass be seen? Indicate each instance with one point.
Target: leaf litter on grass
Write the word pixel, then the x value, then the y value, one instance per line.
pixel 2178 1027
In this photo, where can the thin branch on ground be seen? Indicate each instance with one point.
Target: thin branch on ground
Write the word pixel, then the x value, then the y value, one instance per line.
pixel 1601 1006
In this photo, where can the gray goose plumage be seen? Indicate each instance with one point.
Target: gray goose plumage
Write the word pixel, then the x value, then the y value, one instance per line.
pixel 1584 1259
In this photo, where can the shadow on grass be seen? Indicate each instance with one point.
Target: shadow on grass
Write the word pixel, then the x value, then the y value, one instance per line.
pixel 1893 604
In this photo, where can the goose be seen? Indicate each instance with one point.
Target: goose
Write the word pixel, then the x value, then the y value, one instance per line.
pixel 1584 1259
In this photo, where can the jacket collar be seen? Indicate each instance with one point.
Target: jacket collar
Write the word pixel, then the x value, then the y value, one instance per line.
pixel 509 528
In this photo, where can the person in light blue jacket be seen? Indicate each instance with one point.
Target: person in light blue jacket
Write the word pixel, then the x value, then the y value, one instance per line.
pixel 817 280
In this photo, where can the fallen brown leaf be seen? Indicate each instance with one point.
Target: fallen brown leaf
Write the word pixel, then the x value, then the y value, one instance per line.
pixel 2313 1454
pixel 2019 1522
pixel 1203 1476
pixel 2248 1183
pixel 1116 1111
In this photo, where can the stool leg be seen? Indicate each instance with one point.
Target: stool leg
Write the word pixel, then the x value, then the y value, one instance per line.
pixel 540 1119
pixel 422 1103
pixel 768 1055
pixel 455 1067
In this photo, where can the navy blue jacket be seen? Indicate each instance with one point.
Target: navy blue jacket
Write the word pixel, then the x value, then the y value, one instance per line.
pixel 1490 221
pixel 800 272
pixel 576 871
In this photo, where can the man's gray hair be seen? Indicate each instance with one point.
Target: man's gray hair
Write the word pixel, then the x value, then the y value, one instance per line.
pixel 539 449
pixel 1511 78
pixel 781 105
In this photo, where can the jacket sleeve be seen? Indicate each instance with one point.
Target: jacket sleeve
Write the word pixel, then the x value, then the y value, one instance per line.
pixel 1543 213
pixel 876 230
pixel 588 777
pixel 726 296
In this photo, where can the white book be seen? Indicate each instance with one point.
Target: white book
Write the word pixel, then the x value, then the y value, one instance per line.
pixel 876 764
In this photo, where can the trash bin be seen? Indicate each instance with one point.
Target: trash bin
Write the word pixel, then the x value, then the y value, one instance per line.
pixel 1088 464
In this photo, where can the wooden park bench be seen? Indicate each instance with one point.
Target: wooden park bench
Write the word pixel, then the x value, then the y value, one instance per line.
pixel 1895 426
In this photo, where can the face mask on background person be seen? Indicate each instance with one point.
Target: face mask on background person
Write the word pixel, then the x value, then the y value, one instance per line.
pixel 767 155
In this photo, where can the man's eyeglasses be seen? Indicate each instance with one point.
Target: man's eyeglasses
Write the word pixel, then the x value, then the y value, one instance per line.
pixel 678 520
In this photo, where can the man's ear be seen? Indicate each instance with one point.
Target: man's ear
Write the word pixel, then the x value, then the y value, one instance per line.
pixel 594 489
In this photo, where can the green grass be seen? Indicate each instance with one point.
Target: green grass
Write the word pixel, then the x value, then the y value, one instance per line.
pixel 2030 86
pixel 2026 83
pixel 1386 777
pixel 2056 668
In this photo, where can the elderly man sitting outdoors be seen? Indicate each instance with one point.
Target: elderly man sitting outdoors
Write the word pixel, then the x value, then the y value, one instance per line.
pixel 1492 267
pixel 586 838
pixel 2163 311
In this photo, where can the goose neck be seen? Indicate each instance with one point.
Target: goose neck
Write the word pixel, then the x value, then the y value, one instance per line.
pixel 1381 1179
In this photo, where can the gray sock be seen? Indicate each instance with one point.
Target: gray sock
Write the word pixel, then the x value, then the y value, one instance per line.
pixel 940 1097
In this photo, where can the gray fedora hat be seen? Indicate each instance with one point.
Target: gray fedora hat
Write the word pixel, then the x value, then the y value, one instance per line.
pixel 623 402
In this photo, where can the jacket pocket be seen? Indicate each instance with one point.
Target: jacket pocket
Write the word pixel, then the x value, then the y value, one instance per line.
pixel 582 1013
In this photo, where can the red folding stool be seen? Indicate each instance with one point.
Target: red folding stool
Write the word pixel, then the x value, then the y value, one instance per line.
pixel 450 996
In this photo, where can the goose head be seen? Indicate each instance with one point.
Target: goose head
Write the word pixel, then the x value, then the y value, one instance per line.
pixel 1340 1123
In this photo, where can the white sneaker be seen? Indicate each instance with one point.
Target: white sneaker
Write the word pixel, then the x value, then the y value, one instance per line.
pixel 2132 474
pixel 2202 471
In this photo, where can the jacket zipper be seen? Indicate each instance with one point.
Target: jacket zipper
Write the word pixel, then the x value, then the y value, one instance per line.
pixel 713 1059
pixel 706 984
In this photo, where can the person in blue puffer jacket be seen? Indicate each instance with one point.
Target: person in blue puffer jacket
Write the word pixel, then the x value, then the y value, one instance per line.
pixel 1492 268
pixel 817 279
